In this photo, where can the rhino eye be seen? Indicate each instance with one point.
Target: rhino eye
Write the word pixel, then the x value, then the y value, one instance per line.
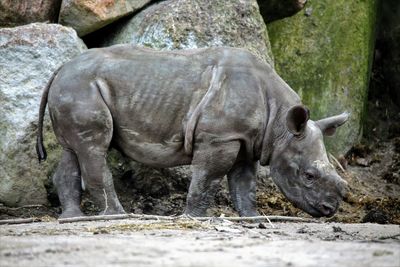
pixel 309 176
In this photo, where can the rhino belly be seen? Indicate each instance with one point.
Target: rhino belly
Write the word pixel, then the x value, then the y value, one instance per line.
pixel 159 152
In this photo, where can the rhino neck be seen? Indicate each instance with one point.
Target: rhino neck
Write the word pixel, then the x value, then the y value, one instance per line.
pixel 279 97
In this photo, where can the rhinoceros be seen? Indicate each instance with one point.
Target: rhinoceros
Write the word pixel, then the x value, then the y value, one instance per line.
pixel 221 110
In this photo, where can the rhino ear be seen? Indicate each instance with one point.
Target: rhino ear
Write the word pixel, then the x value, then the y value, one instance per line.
pixel 328 126
pixel 296 119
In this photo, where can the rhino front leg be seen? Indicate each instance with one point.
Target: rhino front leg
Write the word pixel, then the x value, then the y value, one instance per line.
pixel 209 165
pixel 67 180
pixel 242 187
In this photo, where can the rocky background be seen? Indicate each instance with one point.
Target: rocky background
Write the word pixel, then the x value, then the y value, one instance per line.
pixel 324 49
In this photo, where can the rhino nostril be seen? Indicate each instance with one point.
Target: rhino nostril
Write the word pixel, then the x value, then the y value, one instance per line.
pixel 327 209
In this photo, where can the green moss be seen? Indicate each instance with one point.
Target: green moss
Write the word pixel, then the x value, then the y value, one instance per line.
pixel 326 57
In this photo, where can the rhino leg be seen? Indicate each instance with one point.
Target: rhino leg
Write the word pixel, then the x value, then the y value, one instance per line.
pixel 67 180
pixel 98 181
pixel 242 187
pixel 209 165
pixel 87 129
pixel 92 153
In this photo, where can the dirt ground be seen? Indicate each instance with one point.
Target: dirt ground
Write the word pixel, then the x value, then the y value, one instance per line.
pixel 192 243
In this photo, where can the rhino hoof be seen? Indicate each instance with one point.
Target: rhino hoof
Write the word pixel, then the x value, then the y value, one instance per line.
pixel 71 213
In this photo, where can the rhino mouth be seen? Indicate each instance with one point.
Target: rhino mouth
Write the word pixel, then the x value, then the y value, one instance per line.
pixel 319 209
pixel 323 209
pixel 310 209
pixel 327 209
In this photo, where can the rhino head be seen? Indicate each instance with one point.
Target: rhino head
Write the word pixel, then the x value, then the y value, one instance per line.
pixel 300 166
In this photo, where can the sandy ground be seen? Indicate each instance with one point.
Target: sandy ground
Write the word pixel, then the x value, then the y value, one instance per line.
pixel 191 243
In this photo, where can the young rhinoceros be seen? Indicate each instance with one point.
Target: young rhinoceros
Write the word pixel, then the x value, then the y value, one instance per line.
pixel 219 109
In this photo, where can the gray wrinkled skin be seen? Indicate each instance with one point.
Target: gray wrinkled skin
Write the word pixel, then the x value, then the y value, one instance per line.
pixel 219 109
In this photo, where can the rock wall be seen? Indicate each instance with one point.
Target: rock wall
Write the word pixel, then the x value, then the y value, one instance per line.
pixel 325 54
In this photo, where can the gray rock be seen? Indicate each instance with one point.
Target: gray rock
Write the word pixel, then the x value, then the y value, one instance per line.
pixel 28 56
pixel 184 24
pixel 86 16
pixel 20 12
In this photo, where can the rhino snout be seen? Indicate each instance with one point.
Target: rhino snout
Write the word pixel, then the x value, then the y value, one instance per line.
pixel 329 205
pixel 327 209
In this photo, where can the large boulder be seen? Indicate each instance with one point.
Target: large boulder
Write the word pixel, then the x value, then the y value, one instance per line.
pixel 325 54
pixel 86 16
pixel 19 12
pixel 184 24
pixel 28 56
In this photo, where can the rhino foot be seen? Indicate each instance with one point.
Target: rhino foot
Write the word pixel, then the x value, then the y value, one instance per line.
pixel 71 213
pixel 112 211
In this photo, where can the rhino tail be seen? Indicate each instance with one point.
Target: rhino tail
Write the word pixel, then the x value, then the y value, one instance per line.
pixel 194 117
pixel 40 149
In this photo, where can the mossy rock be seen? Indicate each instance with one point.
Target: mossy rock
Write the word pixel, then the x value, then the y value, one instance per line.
pixel 325 54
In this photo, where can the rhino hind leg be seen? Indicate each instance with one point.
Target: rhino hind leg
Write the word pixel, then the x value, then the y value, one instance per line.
pixel 242 187
pixel 209 165
pixel 87 130
pixel 96 175
pixel 67 180
pixel 98 181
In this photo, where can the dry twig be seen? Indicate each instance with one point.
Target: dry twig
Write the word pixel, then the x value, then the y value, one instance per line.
pixel 19 221
pixel 157 217
pixel 170 218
